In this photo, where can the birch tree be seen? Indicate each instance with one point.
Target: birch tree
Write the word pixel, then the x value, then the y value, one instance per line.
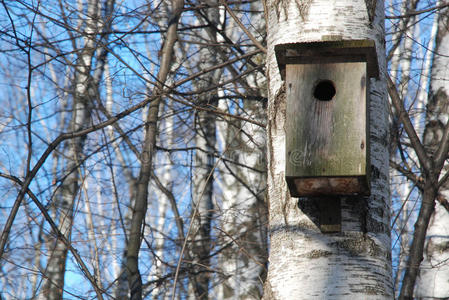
pixel 204 161
pixel 431 153
pixel 84 92
pixel 242 181
pixel 243 220
pixel 434 270
pixel 356 262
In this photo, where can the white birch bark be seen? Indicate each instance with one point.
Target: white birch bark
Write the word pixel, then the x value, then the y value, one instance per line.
pixel 119 269
pixel 202 204
pixel 55 270
pixel 433 279
pixel 164 171
pixel 91 234
pixel 304 263
pixel 158 222
pixel 422 97
pixel 417 114
pixel 403 58
pixel 243 212
pixel 244 218
pixel 202 201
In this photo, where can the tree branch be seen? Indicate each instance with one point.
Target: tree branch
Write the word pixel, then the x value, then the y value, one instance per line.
pixel 58 233
pixel 418 12
pixel 251 37
pixel 408 126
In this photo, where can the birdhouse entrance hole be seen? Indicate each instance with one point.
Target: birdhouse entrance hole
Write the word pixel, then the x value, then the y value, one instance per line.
pixel 324 90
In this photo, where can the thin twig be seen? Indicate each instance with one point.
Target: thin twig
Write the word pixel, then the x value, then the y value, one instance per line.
pixel 251 37
pixel 58 233
pixel 424 160
pixel 418 12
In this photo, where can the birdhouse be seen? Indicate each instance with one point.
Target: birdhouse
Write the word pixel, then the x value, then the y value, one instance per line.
pixel 327 121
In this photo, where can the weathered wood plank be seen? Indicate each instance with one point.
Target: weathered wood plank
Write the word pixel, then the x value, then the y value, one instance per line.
pixel 337 51
pixel 326 140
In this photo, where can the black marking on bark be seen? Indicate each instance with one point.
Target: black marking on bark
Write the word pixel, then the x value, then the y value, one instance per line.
pixel 375 172
pixel 376 289
pixel 364 214
pixel 277 6
pixel 303 7
pixel 371 8
pixel 375 214
pixel 285 207
pixel 437 107
pixel 279 104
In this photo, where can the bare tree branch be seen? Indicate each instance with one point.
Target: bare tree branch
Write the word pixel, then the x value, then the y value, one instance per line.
pixel 249 34
pixel 59 234
pixel 424 160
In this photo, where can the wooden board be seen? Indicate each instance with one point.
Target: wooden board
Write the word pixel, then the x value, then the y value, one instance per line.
pixel 327 143
pixel 330 214
pixel 332 51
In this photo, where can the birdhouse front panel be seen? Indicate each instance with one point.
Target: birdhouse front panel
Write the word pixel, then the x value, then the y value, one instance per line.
pixel 327 129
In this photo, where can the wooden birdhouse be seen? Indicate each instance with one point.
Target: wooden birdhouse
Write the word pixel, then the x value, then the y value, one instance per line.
pixel 327 121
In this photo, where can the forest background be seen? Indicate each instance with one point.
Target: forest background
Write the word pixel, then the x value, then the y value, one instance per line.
pixel 133 148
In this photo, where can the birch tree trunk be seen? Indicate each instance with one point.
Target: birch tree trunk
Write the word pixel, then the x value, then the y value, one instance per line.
pixel 202 205
pixel 65 198
pixel 244 216
pixel 305 263
pixel 433 278
pixel 158 222
pixel 203 179
pixel 121 290
pixel 165 174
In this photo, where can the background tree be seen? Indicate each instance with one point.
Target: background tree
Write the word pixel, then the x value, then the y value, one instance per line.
pixel 131 111
pixel 424 166
pixel 86 80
